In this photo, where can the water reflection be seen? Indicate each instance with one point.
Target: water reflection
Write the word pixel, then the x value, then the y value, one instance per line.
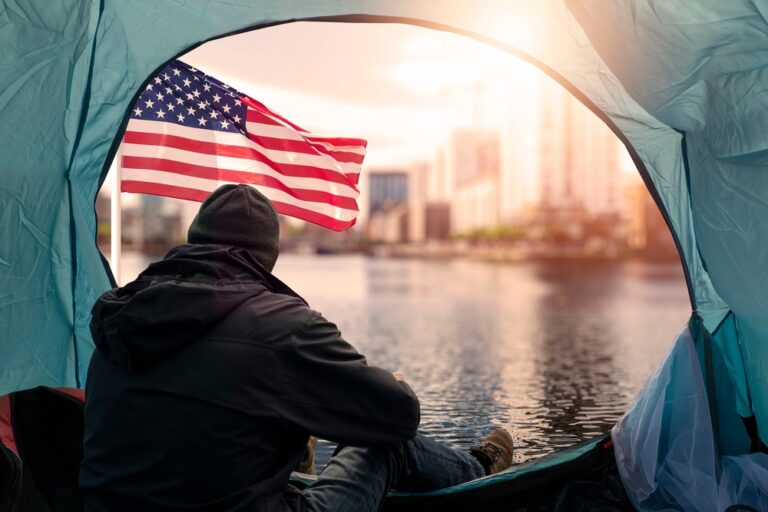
pixel 576 357
pixel 556 352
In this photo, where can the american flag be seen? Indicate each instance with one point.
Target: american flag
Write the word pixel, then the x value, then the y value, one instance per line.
pixel 189 133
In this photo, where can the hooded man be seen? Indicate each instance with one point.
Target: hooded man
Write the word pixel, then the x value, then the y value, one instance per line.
pixel 210 375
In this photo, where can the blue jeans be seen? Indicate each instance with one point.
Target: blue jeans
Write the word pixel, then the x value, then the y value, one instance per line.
pixel 358 479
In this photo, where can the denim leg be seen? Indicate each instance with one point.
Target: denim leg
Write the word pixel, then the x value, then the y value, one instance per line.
pixel 358 478
pixel 432 465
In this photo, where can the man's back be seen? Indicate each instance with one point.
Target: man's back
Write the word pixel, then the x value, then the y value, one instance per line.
pixel 209 376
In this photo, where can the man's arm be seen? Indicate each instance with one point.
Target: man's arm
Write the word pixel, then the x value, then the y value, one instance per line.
pixel 329 390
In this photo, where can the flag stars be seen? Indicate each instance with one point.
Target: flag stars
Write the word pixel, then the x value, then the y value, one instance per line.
pixel 207 104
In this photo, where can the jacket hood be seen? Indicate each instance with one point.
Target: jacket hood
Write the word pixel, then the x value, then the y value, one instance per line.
pixel 176 300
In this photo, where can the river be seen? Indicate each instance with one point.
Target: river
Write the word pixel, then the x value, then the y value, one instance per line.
pixel 555 351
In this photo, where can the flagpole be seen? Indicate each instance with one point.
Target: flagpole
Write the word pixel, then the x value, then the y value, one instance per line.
pixel 115 230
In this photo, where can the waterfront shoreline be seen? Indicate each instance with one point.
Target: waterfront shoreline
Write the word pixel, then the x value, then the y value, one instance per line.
pixel 511 254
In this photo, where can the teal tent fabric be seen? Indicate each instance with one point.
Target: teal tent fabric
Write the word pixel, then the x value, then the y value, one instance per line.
pixel 702 72
pixel 681 82
pixel 666 449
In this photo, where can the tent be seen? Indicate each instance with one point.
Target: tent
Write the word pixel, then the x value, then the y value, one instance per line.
pixel 681 82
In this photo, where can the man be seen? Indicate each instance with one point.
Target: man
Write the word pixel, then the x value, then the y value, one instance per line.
pixel 210 375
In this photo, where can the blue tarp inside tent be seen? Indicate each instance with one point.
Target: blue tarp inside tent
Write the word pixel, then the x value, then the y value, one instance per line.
pixel 683 82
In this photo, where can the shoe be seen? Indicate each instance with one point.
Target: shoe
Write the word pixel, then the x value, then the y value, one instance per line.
pixel 494 453
pixel 307 464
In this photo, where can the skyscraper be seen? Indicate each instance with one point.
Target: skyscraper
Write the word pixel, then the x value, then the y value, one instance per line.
pixel 475 160
pixel 578 157
pixel 386 187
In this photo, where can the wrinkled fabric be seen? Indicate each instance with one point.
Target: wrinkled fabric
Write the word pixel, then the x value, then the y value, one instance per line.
pixel 702 71
pixel 665 445
pixel 209 376
pixel 357 479
pixel 681 81
pixel 105 49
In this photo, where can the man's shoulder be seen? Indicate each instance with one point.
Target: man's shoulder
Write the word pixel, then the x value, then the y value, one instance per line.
pixel 268 316
pixel 271 301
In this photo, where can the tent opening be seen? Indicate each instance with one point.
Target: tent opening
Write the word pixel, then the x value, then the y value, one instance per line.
pixel 503 227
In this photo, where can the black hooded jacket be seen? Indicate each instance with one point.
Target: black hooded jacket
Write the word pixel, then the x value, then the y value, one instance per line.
pixel 208 378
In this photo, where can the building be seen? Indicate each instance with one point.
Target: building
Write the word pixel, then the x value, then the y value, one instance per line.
pixel 417 202
pixel 437 222
pixel 386 187
pixel 519 178
pixel 155 225
pixel 389 224
pixel 647 231
pixel 103 218
pixel 578 158
pixel 475 159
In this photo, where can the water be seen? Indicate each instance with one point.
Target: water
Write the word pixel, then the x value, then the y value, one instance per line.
pixel 557 352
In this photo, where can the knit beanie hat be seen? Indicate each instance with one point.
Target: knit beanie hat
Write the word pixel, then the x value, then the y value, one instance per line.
pixel 238 215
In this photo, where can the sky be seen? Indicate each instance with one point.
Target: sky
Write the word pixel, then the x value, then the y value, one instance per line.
pixel 405 89
pixel 402 88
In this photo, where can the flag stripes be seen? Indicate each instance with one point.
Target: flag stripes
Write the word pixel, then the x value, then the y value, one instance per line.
pixel 189 134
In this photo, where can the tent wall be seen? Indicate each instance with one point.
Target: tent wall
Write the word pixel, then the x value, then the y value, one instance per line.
pixel 704 72
pixel 683 86
pixel 94 56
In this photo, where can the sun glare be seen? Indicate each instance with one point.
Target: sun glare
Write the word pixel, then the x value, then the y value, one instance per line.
pixel 440 65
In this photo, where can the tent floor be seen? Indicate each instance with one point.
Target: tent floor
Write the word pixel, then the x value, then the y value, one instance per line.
pixel 48 428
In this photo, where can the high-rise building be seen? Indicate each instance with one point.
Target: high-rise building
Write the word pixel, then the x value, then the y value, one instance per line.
pixel 417 202
pixel 475 160
pixel 439 185
pixel 519 178
pixel 578 158
pixel 386 187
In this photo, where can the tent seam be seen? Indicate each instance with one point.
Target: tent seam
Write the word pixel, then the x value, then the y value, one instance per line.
pixel 72 230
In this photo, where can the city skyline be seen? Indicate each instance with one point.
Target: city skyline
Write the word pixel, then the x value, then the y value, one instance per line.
pixel 495 143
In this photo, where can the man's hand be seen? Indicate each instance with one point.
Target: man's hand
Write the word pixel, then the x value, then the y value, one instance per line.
pixel 399 376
